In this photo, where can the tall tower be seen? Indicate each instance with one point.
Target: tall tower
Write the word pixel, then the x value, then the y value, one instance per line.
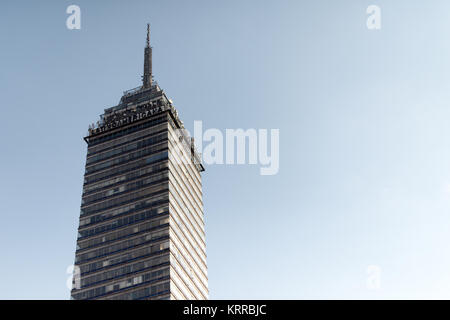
pixel 141 233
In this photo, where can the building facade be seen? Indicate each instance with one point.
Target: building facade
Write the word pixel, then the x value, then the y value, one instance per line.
pixel 141 231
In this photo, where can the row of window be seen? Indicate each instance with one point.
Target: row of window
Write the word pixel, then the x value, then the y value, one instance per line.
pixel 175 146
pixel 193 257
pixel 96 141
pixel 129 157
pixel 155 290
pixel 176 293
pixel 183 147
pixel 126 139
pixel 156 205
pixel 184 282
pixel 126 167
pixel 135 281
pixel 196 249
pixel 127 198
pixel 145 239
pixel 192 212
pixel 194 192
pixel 129 268
pixel 125 270
pixel 187 217
pixel 177 245
pixel 89 189
pixel 132 146
pixel 118 223
pixel 123 233
pixel 136 184
pixel 181 171
pixel 131 255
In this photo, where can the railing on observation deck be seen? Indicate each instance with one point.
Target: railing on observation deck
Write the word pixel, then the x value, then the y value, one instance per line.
pixel 137 89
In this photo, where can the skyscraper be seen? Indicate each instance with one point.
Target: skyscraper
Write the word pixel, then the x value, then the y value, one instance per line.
pixel 141 233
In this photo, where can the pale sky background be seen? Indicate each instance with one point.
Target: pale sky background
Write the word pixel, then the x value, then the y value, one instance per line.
pixel 364 137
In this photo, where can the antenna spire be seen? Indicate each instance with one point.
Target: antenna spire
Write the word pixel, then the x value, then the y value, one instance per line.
pixel 148 35
pixel 147 77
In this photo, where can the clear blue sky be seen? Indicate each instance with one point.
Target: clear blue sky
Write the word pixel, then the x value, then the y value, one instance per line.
pixel 364 137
